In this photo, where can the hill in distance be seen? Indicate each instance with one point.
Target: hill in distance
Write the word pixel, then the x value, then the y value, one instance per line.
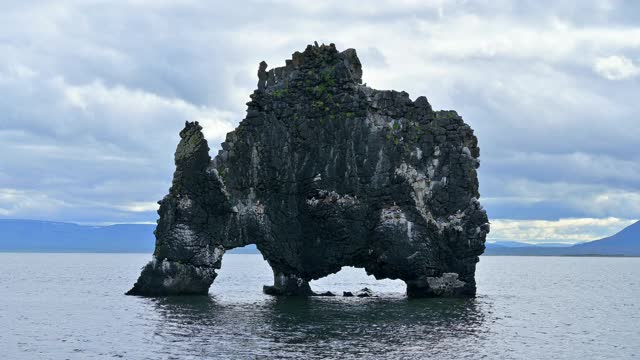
pixel 624 243
pixel 517 244
pixel 49 236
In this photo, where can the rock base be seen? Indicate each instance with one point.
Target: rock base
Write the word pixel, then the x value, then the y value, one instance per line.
pixel 447 285
pixel 288 285
pixel 162 278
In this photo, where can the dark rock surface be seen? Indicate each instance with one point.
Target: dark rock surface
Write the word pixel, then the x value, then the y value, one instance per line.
pixel 365 292
pixel 325 172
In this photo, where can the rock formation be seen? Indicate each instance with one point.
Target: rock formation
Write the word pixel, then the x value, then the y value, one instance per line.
pixel 325 172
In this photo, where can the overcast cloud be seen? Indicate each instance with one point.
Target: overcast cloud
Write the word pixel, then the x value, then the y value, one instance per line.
pixel 95 92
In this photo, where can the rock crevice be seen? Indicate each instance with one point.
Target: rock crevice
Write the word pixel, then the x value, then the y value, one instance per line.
pixel 325 172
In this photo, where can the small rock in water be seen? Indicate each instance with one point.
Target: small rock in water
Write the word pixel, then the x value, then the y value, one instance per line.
pixel 326 293
pixel 347 293
pixel 365 292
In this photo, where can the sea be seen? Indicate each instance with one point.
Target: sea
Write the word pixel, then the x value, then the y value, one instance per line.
pixel 72 306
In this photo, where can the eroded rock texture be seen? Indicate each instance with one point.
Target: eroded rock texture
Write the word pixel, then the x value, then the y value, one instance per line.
pixel 325 172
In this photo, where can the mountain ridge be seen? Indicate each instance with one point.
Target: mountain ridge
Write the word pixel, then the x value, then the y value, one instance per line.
pixel 24 235
pixel 626 242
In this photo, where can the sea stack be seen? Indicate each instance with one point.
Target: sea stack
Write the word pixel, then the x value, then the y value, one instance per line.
pixel 325 172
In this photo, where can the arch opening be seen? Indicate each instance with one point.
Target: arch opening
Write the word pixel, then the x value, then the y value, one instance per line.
pixel 243 271
pixel 353 281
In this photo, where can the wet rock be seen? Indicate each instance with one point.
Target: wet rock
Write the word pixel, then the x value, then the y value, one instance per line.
pixel 365 292
pixel 325 172
pixel 326 293
pixel 288 285
pixel 347 294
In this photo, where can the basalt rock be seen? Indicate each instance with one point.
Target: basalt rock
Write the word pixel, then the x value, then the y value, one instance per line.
pixel 365 292
pixel 325 172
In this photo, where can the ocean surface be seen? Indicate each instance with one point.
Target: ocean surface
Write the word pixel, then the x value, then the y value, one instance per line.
pixel 71 306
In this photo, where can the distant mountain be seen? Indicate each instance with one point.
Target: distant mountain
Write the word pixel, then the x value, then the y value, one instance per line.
pixel 507 244
pixel 516 244
pixel 561 245
pixel 49 236
pixel 624 243
pixel 526 251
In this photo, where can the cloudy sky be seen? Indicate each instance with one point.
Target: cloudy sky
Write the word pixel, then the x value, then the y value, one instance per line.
pixel 94 93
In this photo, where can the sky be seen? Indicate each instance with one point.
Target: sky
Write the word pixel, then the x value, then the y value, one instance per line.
pixel 95 92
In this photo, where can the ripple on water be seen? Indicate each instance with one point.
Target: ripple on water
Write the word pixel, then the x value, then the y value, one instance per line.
pixel 72 306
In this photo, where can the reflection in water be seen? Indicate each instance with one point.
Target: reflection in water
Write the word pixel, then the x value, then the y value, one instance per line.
pixel 70 306
pixel 318 327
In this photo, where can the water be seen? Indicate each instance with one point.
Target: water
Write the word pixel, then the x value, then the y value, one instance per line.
pixel 59 306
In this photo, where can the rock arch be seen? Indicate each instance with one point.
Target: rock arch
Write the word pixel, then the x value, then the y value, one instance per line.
pixel 325 172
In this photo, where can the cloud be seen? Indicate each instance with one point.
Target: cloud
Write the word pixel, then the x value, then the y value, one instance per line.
pixel 589 168
pixel 616 68
pixel 140 206
pixel 568 231
pixel 103 105
pixel 95 93
pixel 373 57
pixel 91 152
pixel 551 200
pixel 29 204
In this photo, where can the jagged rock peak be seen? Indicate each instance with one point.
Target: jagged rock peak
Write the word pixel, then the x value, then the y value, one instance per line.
pixel 313 58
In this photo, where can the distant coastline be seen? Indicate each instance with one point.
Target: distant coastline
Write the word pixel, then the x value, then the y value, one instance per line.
pixel 35 236
pixel 245 251
pixel 563 255
pixel 238 251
